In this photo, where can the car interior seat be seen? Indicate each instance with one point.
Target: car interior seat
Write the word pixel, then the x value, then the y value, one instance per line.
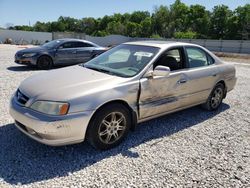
pixel 168 61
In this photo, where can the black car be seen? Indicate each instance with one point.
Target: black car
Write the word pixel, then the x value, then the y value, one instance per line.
pixel 59 52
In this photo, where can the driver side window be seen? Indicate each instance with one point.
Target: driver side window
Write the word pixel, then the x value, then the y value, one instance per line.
pixel 172 59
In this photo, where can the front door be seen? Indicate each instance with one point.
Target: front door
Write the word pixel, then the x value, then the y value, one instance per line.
pixel 160 95
pixel 66 53
pixel 164 94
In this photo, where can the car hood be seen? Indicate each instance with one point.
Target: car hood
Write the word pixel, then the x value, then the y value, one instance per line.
pixel 32 50
pixel 67 83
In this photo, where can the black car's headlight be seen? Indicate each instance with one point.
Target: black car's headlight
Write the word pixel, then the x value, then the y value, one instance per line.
pixel 29 54
pixel 50 107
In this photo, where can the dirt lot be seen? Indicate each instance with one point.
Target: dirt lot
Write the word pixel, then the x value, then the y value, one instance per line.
pixel 191 148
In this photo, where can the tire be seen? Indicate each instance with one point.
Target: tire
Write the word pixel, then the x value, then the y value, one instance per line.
pixel 104 131
pixel 44 62
pixel 215 98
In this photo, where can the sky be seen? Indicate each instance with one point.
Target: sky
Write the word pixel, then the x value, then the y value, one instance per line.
pixel 25 12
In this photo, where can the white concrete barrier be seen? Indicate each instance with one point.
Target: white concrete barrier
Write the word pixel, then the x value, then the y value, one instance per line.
pixel 25 37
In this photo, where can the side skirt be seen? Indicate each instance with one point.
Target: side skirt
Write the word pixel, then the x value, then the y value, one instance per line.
pixel 169 112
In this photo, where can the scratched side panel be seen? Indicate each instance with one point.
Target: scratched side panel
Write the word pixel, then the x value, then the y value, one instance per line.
pixel 159 95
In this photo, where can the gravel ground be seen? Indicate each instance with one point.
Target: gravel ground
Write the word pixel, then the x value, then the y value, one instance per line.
pixel 191 148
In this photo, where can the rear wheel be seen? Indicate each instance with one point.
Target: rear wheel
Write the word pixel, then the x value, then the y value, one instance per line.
pixel 215 98
pixel 109 126
pixel 44 62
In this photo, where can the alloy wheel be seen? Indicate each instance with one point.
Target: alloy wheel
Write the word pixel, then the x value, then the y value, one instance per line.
pixel 112 128
pixel 217 97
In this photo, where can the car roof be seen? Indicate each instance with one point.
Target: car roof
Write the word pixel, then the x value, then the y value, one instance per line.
pixel 160 44
pixel 75 40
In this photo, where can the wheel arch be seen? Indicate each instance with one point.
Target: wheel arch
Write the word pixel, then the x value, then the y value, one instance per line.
pixel 125 104
pixel 225 86
pixel 47 55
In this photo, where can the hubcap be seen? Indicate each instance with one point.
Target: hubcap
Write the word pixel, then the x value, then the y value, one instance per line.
pixel 217 97
pixel 112 127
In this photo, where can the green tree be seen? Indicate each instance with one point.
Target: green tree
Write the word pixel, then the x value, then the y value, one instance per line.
pixel 219 22
pixel 89 25
pixel 198 20
pixel 133 29
pixel 178 20
pixel 116 28
pixel 243 19
pixel 160 21
pixel 185 35
pixel 139 16
pixel 146 27
pixel 179 17
pixel 41 26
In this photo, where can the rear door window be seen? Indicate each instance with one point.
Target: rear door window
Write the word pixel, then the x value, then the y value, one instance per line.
pixel 83 45
pixel 68 45
pixel 198 57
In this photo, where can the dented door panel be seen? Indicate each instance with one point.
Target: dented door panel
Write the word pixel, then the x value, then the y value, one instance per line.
pixel 159 95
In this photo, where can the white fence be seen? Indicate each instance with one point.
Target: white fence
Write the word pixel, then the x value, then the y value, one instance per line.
pixel 231 46
pixel 23 37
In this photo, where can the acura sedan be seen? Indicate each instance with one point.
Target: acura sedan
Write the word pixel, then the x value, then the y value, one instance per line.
pixel 59 52
pixel 103 99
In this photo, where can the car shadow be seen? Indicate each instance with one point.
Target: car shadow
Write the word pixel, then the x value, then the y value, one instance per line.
pixel 22 68
pixel 25 161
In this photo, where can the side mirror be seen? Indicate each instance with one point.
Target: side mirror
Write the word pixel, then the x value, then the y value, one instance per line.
pixel 161 71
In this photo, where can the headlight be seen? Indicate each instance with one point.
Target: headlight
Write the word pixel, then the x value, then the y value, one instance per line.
pixel 51 108
pixel 29 55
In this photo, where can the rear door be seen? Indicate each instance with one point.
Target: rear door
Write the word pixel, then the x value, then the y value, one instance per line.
pixel 200 76
pixel 85 52
pixel 66 53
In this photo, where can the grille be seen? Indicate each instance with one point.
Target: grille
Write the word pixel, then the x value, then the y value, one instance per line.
pixel 21 98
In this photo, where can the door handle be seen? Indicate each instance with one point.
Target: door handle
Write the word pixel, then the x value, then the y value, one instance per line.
pixel 74 52
pixel 182 81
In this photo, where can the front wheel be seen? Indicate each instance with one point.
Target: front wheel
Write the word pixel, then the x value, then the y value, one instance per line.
pixel 215 98
pixel 44 62
pixel 109 126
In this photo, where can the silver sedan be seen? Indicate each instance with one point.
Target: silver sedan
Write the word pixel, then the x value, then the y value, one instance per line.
pixel 103 99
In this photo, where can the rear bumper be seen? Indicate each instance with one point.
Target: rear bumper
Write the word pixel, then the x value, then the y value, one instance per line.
pixel 50 130
pixel 230 83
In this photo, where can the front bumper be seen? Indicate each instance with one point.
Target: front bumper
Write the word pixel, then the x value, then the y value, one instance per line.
pixel 26 60
pixel 50 130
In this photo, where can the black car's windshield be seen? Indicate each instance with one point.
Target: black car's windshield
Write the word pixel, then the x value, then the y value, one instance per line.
pixel 52 44
pixel 124 60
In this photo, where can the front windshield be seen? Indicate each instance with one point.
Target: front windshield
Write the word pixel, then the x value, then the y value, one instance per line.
pixel 124 60
pixel 52 44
